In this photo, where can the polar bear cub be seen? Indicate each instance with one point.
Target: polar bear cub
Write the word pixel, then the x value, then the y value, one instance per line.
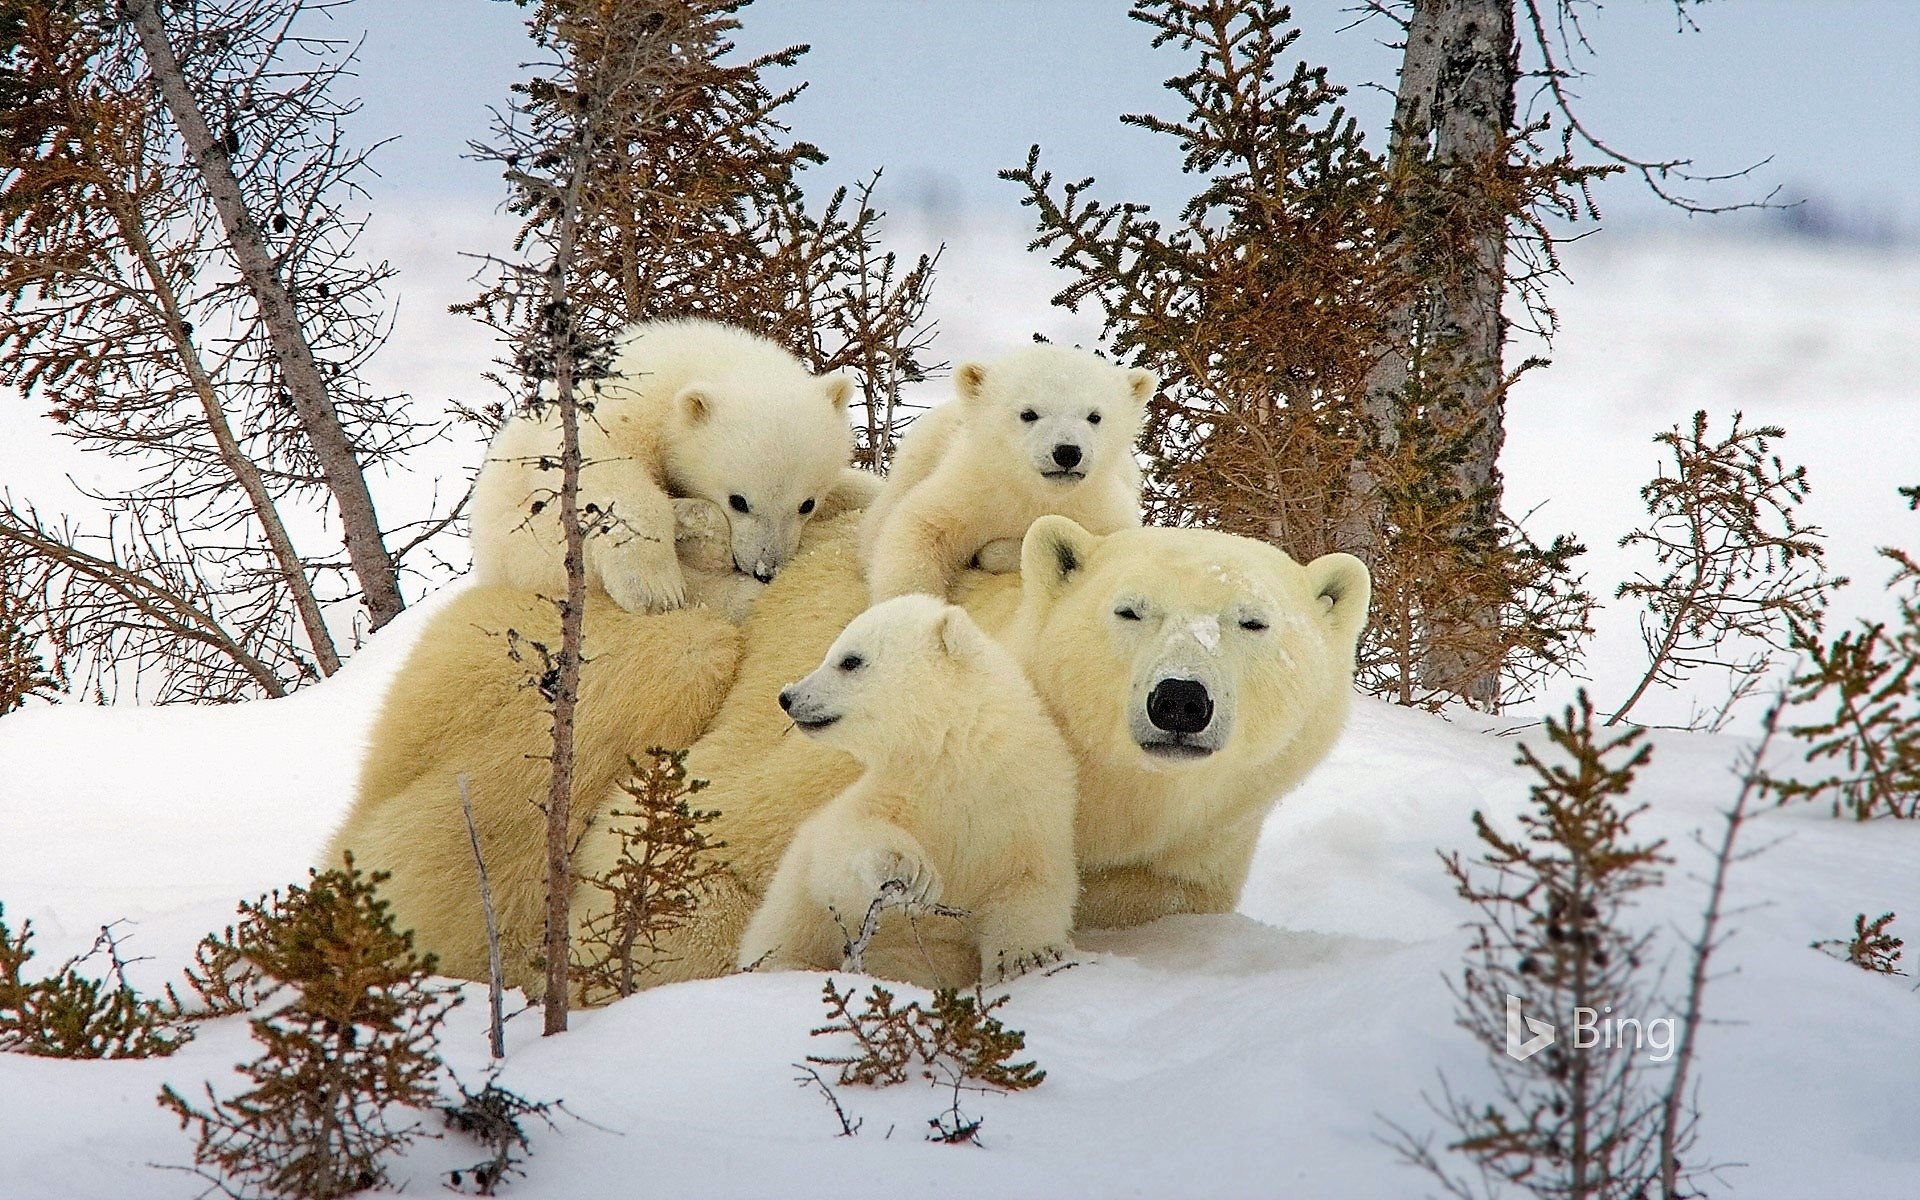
pixel 692 409
pixel 967 800
pixel 1044 430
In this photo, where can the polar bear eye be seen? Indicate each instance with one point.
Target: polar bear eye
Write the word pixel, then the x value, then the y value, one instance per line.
pixel 739 502
pixel 1093 418
pixel 852 662
pixel 1127 612
pixel 806 506
pixel 1029 416
pixel 1253 624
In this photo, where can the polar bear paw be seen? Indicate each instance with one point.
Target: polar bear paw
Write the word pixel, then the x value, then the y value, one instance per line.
pixel 1001 556
pixel 702 535
pixel 1006 963
pixel 900 876
pixel 642 575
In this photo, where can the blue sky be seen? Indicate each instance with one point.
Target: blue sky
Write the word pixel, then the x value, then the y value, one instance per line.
pixel 944 92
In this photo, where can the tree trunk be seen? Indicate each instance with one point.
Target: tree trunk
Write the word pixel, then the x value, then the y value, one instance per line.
pixel 1472 117
pixel 339 464
pixel 561 328
pixel 1408 143
pixel 1454 109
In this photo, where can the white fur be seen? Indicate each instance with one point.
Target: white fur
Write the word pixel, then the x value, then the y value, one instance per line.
pixel 975 472
pixel 692 409
pixel 967 800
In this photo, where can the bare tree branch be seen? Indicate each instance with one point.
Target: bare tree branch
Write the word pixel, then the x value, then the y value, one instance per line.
pixel 379 584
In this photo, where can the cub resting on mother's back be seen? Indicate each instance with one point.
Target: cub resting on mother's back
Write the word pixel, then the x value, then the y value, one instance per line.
pixel 691 409
pixel 1044 430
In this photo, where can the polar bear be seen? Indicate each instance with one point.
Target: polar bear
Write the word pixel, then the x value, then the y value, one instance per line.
pixel 691 409
pixel 967 801
pixel 1196 676
pixel 1044 430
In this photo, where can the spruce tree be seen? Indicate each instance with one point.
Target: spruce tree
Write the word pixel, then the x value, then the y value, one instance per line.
pixel 353 1045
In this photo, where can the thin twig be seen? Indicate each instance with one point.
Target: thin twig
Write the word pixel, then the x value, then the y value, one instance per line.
pixel 496 1024
pixel 1672 1135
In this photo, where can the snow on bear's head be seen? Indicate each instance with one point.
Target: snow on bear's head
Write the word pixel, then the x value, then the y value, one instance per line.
pixel 896 670
pixel 764 445
pixel 1066 413
pixel 1186 649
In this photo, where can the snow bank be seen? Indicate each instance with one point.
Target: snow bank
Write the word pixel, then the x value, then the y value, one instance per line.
pixel 1252 1054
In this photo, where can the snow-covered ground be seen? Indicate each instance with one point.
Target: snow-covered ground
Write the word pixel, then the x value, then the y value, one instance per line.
pixel 1252 1055
pixel 1249 1055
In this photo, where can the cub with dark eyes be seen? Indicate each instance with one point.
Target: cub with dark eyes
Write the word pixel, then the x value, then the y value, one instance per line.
pixel 693 410
pixel 967 800
pixel 1044 430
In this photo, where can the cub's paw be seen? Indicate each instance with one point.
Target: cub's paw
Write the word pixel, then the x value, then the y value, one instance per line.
pixel 902 876
pixel 854 489
pixel 1001 556
pixel 1009 962
pixel 891 873
pixel 643 576
pixel 702 536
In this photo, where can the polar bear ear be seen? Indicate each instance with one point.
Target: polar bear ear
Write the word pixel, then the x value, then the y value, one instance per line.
pixel 1143 383
pixel 1343 587
pixel 970 381
pixel 839 390
pixel 694 403
pixel 1054 553
pixel 959 637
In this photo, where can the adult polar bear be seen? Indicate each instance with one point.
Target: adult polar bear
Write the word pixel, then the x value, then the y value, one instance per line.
pixel 1196 676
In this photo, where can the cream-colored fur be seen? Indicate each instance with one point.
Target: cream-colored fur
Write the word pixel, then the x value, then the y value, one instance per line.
pixel 466 704
pixel 967 800
pixel 1154 834
pixel 1044 430
pixel 691 409
pixel 1163 828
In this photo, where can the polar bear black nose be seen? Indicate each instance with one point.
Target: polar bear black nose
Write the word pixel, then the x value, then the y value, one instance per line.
pixel 1067 455
pixel 1180 706
pixel 786 700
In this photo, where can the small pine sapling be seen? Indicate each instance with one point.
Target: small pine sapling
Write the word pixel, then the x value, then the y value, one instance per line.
pixel 1735 568
pixel 1873 947
pixel 954 1040
pixel 72 1015
pixel 355 1040
pixel 1868 675
pixel 962 1030
pixel 656 883
pixel 1550 937
pixel 221 982
pixel 886 1036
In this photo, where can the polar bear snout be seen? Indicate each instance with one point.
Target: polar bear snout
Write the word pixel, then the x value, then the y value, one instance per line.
pixel 808 713
pixel 1180 706
pixel 1180 713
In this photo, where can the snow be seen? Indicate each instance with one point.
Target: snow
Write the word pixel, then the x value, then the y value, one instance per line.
pixel 1250 1054
pixel 1206 631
